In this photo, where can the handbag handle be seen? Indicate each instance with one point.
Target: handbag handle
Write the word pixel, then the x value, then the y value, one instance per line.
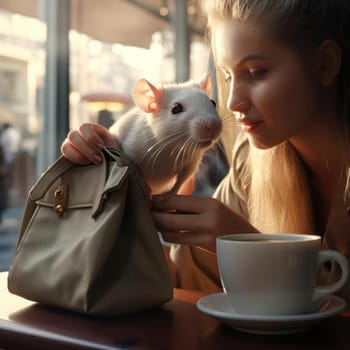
pixel 117 155
pixel 103 187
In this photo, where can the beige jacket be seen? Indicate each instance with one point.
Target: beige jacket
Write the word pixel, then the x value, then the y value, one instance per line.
pixel 195 268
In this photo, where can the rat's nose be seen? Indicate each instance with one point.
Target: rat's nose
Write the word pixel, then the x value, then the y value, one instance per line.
pixel 210 129
pixel 213 127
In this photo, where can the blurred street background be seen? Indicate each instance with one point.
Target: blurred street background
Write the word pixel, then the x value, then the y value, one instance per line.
pixel 56 74
pixel 8 235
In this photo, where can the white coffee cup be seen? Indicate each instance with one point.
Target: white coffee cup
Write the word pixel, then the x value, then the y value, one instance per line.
pixel 275 274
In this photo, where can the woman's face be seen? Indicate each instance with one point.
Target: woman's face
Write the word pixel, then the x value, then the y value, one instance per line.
pixel 273 88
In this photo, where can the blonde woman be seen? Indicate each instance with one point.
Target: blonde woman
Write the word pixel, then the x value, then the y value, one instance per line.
pixel 285 67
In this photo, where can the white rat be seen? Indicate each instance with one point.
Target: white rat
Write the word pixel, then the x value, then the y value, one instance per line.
pixel 168 131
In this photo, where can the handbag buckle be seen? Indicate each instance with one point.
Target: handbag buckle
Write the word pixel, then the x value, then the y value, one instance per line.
pixel 61 195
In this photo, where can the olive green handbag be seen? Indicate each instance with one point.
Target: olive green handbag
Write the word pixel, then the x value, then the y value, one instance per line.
pixel 88 242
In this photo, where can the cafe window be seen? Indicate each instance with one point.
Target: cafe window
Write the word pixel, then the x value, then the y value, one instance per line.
pixel 87 55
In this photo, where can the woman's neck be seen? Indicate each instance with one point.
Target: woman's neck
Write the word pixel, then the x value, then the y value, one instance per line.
pixel 321 143
pixel 322 152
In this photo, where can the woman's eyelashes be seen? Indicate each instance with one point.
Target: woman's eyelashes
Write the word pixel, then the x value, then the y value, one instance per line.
pixel 256 74
pixel 249 75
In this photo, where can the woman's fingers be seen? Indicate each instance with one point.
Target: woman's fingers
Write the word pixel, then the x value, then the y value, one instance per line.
pixel 204 240
pixel 174 222
pixel 96 135
pixel 75 156
pixel 196 220
pixel 83 146
pixel 181 203
pixel 185 213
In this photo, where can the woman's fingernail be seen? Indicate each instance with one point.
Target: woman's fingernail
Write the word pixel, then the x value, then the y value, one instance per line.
pixel 100 146
pixel 97 159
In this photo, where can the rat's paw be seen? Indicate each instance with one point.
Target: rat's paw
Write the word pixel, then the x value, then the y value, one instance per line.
pixel 167 195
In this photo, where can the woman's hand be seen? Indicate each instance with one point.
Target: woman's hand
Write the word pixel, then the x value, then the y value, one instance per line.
pixel 196 220
pixel 83 146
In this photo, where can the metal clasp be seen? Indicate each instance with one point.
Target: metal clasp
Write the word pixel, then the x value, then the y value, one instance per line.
pixel 61 196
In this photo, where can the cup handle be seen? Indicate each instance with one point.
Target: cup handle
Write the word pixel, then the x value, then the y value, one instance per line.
pixel 324 256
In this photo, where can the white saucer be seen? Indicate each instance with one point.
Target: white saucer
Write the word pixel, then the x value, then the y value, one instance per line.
pixel 219 307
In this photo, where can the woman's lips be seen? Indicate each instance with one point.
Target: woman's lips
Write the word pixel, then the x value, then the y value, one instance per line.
pixel 250 126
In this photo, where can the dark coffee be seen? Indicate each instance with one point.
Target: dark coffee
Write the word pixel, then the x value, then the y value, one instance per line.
pixel 261 240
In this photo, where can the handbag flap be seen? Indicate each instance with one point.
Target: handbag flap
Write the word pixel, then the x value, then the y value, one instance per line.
pixel 66 185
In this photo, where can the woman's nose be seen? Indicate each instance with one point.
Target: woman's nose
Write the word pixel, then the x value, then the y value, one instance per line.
pixel 237 99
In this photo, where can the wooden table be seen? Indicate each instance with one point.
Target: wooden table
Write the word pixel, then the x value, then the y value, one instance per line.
pixel 176 325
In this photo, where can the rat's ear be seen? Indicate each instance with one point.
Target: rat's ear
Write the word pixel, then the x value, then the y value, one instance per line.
pixel 147 96
pixel 205 84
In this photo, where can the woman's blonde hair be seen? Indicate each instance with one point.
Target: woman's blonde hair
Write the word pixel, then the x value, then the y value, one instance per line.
pixel 279 198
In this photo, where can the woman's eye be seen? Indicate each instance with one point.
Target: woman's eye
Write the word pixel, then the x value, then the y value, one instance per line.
pixel 257 73
pixel 177 108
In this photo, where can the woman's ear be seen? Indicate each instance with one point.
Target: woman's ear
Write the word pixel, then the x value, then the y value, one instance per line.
pixel 329 61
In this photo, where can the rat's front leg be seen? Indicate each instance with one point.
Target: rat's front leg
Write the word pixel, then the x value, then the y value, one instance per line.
pixel 180 179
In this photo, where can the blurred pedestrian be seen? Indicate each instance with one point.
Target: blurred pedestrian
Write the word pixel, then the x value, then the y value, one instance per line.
pixel 10 142
pixel 3 187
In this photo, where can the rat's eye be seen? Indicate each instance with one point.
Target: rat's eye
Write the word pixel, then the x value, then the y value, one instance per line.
pixel 177 108
pixel 213 102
